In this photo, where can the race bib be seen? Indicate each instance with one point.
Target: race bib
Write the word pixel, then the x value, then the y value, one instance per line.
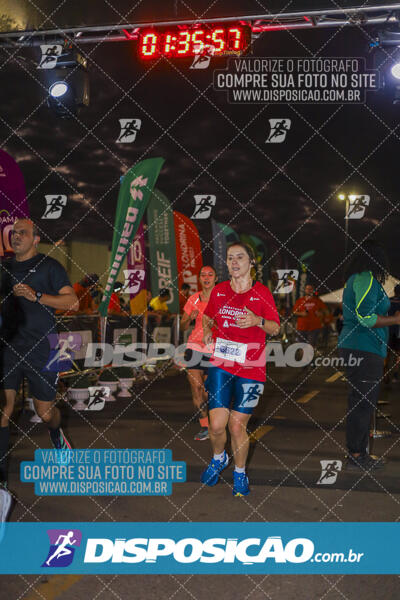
pixel 234 351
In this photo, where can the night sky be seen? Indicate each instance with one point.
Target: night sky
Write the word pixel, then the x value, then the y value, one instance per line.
pixel 284 193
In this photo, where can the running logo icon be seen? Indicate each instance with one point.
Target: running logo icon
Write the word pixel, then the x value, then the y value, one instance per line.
pixel 203 58
pixel 50 54
pixel 129 129
pixel 251 394
pixel 329 471
pixel 62 350
pixel 203 206
pixel 133 280
pixel 278 130
pixel 357 207
pixel 286 280
pixel 63 543
pixel 54 206
pixel 97 397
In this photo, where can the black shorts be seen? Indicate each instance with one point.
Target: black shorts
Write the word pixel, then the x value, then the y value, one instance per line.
pixel 42 384
pixel 196 359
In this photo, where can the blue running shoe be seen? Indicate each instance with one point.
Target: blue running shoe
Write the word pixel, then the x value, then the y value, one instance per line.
pixel 211 475
pixel 59 440
pixel 240 484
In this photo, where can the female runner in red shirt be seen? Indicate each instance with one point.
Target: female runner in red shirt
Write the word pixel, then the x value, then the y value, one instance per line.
pixel 239 314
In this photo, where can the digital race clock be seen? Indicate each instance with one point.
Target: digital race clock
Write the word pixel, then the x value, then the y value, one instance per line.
pixel 183 42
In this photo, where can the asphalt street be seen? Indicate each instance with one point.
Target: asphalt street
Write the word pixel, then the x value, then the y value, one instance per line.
pixel 299 422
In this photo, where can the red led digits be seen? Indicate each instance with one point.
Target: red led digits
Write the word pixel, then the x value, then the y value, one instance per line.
pixel 148 45
pixel 168 44
pixel 217 37
pixel 197 42
pixel 176 43
pixel 183 43
pixel 234 38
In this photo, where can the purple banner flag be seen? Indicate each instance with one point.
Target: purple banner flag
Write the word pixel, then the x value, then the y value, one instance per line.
pixel 135 276
pixel 13 202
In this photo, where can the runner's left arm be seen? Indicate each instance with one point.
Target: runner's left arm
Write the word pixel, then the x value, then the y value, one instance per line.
pixel 271 327
pixel 188 315
pixel 66 299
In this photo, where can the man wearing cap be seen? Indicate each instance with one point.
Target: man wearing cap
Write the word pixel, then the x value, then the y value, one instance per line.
pixel 159 306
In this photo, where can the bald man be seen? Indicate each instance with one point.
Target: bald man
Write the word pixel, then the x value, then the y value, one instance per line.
pixel 33 287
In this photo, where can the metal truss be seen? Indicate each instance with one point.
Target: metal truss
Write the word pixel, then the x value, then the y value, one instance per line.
pixel 368 15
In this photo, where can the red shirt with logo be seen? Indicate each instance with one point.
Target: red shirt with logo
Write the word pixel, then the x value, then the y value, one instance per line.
pixel 311 304
pixel 240 351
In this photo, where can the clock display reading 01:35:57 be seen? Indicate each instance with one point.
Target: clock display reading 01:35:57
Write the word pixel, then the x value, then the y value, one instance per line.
pixel 177 42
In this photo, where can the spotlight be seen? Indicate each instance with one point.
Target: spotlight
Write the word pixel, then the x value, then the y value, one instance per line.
pixel 62 99
pixel 386 59
pixel 58 89
pixel 67 84
pixel 395 70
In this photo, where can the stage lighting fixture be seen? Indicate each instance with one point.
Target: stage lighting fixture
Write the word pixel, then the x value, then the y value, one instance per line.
pixel 386 59
pixel 395 70
pixel 67 84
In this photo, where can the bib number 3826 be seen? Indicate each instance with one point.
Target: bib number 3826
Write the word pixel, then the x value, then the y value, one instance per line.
pixel 234 351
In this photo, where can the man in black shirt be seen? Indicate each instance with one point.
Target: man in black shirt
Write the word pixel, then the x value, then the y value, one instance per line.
pixel 33 287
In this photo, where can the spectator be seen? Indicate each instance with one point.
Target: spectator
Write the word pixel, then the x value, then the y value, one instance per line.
pixel 309 311
pixel 158 307
pixel 84 290
pixel 363 346
pixel 114 307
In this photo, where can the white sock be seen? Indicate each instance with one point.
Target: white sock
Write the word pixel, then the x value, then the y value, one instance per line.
pixel 240 469
pixel 220 457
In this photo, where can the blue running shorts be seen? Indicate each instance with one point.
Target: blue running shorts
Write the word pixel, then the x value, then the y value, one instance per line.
pixel 223 388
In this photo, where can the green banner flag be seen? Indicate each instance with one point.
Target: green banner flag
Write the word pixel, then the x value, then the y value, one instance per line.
pixel 161 232
pixel 133 198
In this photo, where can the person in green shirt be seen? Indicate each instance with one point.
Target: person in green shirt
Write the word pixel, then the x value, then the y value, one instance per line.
pixel 363 346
